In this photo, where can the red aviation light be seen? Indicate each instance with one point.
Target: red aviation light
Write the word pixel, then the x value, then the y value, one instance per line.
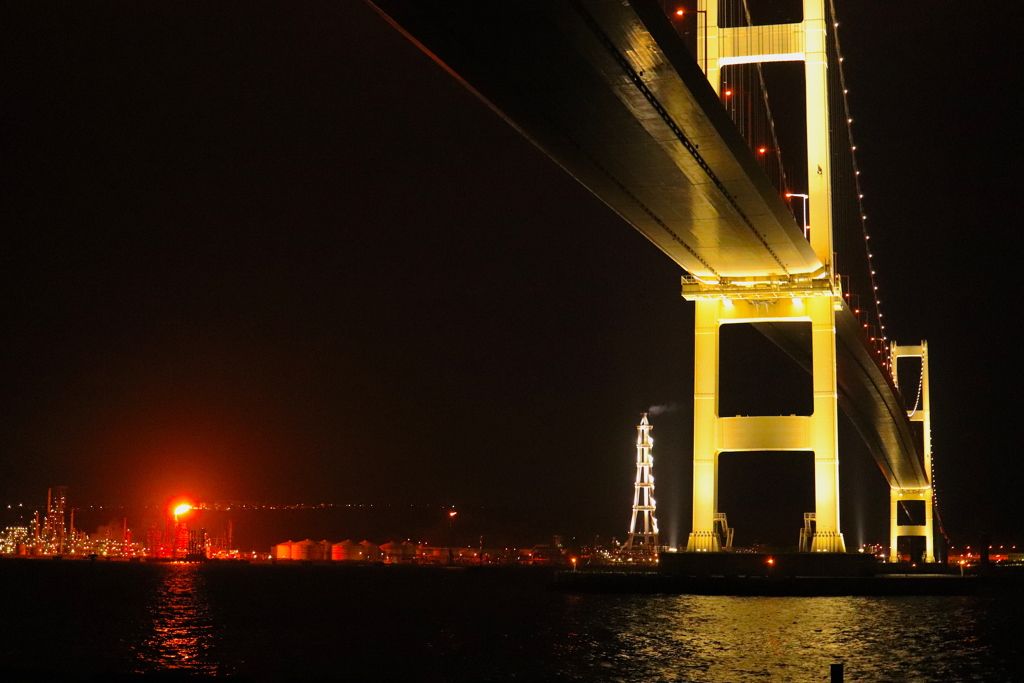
pixel 679 12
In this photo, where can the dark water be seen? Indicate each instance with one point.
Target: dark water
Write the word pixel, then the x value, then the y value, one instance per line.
pixel 385 623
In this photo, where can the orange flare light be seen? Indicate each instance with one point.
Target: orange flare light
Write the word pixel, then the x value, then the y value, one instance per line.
pixel 182 509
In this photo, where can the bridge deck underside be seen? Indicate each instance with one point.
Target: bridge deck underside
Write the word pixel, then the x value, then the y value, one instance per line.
pixel 563 75
pixel 609 92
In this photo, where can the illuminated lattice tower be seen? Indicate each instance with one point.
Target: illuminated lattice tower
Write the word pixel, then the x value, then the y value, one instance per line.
pixel 645 539
pixel 54 531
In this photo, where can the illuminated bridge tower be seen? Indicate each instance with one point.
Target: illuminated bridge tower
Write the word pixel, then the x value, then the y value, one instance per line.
pixel 643 495
pixel 921 412
pixel 771 299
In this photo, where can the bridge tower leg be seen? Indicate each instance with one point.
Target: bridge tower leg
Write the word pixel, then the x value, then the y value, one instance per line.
pixel 705 422
pixel 825 427
pixel 921 412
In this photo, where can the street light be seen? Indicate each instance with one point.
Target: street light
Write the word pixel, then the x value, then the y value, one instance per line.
pixel 451 538
pixel 680 13
pixel 807 228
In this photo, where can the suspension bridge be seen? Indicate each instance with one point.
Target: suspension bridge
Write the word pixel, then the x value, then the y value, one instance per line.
pixel 665 114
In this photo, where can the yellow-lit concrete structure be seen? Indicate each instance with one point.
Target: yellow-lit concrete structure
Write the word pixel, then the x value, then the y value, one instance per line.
pixel 921 412
pixel 617 100
pixel 769 299
pixel 713 435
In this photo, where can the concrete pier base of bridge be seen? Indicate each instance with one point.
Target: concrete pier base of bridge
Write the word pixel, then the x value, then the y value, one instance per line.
pixel 703 542
pixel 713 434
pixel 828 542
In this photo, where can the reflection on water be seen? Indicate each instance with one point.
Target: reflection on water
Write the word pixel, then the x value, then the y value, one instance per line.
pixel 407 623
pixel 181 632
pixel 724 639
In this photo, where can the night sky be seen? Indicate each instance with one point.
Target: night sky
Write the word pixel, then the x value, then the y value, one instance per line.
pixel 271 252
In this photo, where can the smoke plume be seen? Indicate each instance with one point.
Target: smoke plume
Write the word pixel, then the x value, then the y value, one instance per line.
pixel 662 409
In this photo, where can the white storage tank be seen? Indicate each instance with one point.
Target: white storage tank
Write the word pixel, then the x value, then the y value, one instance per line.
pixel 338 551
pixel 305 550
pixel 348 551
pixel 283 551
pixel 396 553
pixel 371 551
